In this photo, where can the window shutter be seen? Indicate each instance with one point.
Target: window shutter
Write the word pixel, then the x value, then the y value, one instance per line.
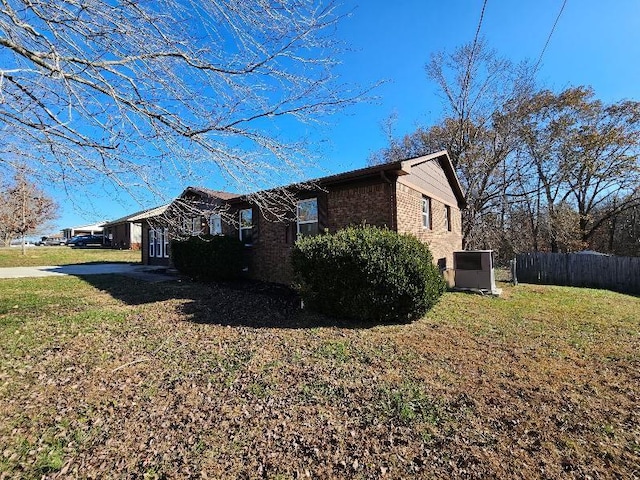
pixel 323 211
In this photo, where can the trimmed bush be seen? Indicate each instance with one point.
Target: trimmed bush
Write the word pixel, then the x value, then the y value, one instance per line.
pixel 209 258
pixel 367 273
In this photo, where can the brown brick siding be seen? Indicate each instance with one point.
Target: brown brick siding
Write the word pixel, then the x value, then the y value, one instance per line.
pixel 120 235
pixel 269 257
pixel 145 244
pixel 370 203
pixel 442 243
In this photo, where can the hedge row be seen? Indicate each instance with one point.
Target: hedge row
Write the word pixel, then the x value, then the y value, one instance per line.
pixel 209 258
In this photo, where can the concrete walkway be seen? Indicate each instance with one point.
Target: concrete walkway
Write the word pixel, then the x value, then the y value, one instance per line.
pixel 141 272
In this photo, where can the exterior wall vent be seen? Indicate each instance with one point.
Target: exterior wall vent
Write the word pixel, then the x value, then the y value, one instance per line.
pixel 474 271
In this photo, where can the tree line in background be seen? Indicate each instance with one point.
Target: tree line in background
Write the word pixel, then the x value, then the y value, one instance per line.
pixel 541 171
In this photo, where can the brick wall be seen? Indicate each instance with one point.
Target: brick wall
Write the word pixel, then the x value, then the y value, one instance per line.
pixel 120 233
pixel 442 242
pixel 269 255
pixel 145 244
pixel 369 203
pixel 354 204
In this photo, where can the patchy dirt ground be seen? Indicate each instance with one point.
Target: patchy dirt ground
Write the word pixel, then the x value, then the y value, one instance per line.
pixel 119 379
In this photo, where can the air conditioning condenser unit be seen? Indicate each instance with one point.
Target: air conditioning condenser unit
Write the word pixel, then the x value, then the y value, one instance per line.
pixel 474 271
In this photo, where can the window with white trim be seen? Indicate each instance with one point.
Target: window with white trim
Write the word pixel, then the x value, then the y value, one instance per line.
pixel 215 224
pixel 426 212
pixel 165 242
pixel 246 226
pixel 187 225
pixel 196 226
pixel 447 217
pixel 152 242
pixel 159 242
pixel 307 217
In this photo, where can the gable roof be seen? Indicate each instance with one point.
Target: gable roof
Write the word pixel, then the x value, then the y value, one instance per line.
pixel 212 194
pixel 398 168
pixel 206 200
pixel 138 216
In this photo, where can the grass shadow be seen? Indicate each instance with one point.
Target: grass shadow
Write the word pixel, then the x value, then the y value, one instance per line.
pixel 238 304
pixel 100 262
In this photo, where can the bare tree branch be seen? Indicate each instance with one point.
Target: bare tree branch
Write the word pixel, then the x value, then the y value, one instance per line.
pixel 151 92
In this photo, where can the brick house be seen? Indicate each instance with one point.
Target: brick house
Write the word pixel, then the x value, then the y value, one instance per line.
pixel 421 196
pixel 126 233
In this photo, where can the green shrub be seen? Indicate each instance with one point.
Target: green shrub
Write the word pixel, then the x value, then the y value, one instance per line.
pixel 367 273
pixel 209 258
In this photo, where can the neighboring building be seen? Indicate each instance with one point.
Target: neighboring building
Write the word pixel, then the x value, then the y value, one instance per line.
pixel 421 196
pixel 126 233
pixel 94 229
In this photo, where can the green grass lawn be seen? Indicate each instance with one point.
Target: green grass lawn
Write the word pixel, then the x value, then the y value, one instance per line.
pixel 63 255
pixel 118 378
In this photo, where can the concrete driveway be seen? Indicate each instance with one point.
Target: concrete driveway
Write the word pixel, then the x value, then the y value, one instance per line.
pixel 141 272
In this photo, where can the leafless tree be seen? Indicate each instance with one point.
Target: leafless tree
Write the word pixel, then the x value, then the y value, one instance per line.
pixel 24 208
pixel 150 92
pixel 585 155
pixel 481 96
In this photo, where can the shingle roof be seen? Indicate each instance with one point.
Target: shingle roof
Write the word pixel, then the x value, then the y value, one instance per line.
pixel 401 167
pixel 222 195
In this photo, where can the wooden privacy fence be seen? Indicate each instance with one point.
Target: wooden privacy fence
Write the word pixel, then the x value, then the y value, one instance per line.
pixel 621 274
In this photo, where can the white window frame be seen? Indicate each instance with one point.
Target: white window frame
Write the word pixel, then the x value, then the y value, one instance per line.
pixel 152 242
pixel 165 242
pixel 187 225
pixel 306 222
pixel 215 224
pixel 196 225
pixel 447 218
pixel 426 213
pixel 158 236
pixel 241 228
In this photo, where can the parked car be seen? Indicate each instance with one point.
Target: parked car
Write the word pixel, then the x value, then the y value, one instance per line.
pixel 85 240
pixel 49 241
pixel 18 243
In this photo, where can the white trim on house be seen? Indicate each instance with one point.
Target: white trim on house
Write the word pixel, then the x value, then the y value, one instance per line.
pixel 249 228
pixel 215 224
pixel 313 214
pixel 196 225
pixel 152 243
pixel 159 242
pixel 426 212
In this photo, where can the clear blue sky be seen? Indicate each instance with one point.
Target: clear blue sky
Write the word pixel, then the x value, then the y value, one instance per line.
pixel 595 43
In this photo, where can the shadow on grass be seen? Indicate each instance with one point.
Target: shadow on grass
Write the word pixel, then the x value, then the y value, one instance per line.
pixel 240 304
pixel 101 262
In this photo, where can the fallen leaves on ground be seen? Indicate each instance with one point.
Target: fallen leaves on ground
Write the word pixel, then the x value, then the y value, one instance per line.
pixel 234 381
